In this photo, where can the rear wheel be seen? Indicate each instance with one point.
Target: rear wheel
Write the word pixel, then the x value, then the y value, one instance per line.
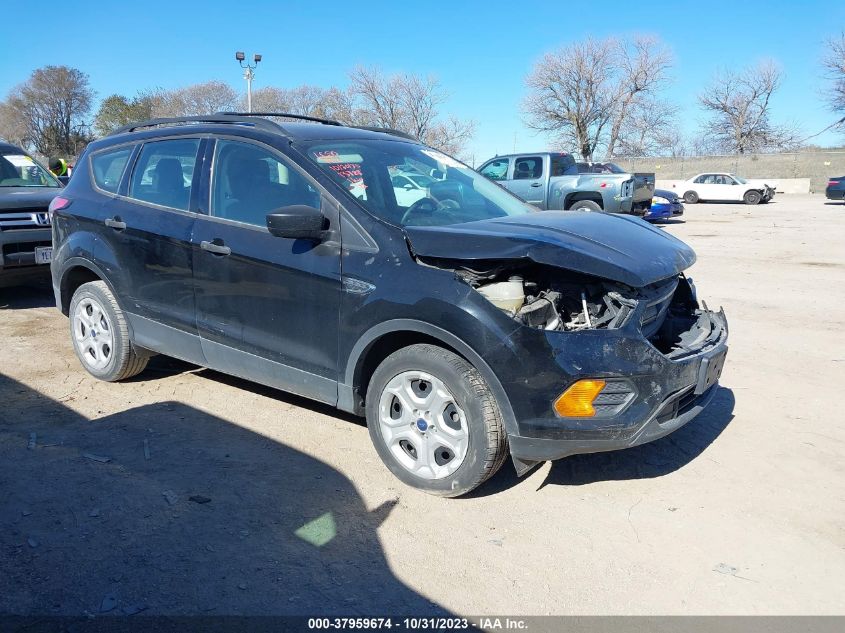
pixel 752 197
pixel 691 197
pixel 100 334
pixel 585 205
pixel 434 421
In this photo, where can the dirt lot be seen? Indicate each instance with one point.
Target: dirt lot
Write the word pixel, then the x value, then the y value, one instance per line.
pixel 741 511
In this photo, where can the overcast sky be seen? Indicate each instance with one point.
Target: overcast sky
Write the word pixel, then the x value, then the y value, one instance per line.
pixel 480 51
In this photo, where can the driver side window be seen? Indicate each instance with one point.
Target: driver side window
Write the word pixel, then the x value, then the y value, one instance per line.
pixel 249 182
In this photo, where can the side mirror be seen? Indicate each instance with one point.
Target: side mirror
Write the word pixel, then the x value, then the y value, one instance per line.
pixel 297 222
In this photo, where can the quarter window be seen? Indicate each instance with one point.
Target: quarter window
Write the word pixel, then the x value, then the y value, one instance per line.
pixel 528 168
pixel 108 168
pixel 250 182
pixel 164 172
pixel 496 169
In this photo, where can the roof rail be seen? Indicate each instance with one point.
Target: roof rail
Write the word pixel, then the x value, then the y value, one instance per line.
pixel 208 118
pixel 386 130
pixel 286 115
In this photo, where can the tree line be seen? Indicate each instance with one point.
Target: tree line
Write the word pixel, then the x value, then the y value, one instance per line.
pixel 599 98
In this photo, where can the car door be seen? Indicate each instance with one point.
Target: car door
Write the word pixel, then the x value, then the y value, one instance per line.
pixel 267 307
pixel 527 180
pixel 706 188
pixel 146 243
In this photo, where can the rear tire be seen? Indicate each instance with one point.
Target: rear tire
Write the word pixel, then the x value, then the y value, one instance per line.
pixel 434 421
pixel 691 197
pixel 584 205
pixel 752 197
pixel 100 334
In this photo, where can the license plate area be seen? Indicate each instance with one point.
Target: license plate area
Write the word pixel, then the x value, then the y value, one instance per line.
pixel 43 254
pixel 710 371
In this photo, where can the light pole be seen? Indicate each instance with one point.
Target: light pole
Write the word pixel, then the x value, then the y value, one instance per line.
pixel 248 75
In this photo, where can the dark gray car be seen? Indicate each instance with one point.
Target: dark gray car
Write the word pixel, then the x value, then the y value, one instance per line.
pixel 26 189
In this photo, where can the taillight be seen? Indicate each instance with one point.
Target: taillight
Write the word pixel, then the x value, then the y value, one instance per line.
pixel 833 183
pixel 58 203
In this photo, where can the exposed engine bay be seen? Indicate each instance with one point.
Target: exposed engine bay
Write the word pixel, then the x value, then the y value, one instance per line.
pixel 548 298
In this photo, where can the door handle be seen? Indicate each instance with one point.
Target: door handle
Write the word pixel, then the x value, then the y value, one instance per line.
pixel 217 249
pixel 536 184
pixel 115 223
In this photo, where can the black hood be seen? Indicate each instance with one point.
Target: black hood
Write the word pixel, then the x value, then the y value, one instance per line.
pixel 616 247
pixel 27 197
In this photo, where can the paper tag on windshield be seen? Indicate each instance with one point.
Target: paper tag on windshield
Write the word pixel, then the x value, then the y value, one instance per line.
pixel 442 158
pixel 19 160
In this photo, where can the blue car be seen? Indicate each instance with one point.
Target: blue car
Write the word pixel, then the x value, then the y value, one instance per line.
pixel 664 205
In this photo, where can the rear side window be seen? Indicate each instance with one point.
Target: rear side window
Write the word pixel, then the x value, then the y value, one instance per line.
pixel 563 165
pixel 528 168
pixel 108 168
pixel 250 182
pixel 164 172
pixel 496 169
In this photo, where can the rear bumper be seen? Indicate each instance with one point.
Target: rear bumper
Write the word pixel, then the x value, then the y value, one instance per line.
pixel 834 194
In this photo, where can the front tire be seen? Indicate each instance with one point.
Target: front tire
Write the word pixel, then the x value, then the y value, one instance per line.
pixel 585 205
pixel 691 197
pixel 434 421
pixel 100 334
pixel 752 197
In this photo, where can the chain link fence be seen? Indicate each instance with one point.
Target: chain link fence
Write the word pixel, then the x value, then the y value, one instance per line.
pixel 817 166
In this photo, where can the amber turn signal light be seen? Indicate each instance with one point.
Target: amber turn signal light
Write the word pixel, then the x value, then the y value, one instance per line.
pixel 577 400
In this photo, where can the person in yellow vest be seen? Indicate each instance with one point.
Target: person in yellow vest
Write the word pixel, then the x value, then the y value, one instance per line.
pixel 58 167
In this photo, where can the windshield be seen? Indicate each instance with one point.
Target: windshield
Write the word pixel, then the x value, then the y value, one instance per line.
pixel 412 185
pixel 741 181
pixel 19 170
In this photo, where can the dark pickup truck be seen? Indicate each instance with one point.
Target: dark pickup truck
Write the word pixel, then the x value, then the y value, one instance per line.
pixel 555 181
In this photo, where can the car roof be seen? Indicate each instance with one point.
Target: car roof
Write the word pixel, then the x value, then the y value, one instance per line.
pixel 8 148
pixel 300 129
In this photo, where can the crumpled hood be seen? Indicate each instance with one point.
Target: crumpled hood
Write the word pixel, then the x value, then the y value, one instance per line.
pixel 25 197
pixel 616 247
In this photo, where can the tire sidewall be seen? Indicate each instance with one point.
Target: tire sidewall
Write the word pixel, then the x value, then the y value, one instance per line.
pixel 112 369
pixel 585 205
pixel 466 476
pixel 752 197
pixel 691 197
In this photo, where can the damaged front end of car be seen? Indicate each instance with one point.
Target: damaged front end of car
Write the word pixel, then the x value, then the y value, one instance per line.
pixel 608 347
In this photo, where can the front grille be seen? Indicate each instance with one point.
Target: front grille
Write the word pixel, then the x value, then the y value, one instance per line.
pixel 657 304
pixel 680 404
pixel 26 218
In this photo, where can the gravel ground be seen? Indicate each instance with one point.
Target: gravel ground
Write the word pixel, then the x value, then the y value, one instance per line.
pixel 184 491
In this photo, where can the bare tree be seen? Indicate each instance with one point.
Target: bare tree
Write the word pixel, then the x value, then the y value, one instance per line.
pixel 13 127
pixel 52 106
pixel 739 105
pixel 834 64
pixel 650 130
pixel 586 93
pixel 193 100
pixel 409 103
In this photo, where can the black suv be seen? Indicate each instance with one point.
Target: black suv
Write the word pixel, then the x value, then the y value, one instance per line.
pixel 363 269
pixel 26 189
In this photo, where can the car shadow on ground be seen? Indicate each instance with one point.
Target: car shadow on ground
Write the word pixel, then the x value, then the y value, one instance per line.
pixel 167 509
pixel 646 461
pixel 669 222
pixel 34 295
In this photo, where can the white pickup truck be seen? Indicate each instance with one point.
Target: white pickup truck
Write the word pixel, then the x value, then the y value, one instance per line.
pixel 551 180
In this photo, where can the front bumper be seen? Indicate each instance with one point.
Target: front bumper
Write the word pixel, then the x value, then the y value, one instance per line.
pixel 666 393
pixel 17 254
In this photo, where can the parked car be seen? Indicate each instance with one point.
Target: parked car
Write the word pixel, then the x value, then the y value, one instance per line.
pixel 726 188
pixel 556 181
pixel 664 205
pixel 835 189
pixel 26 189
pixel 466 326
